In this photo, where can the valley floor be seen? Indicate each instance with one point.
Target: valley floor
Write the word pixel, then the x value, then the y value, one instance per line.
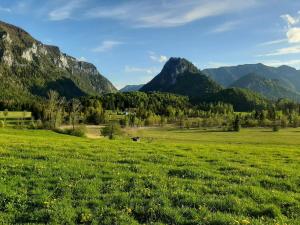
pixel 171 177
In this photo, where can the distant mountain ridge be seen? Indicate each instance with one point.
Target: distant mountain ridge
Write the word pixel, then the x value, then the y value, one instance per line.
pixel 130 88
pixel 30 68
pixel 288 76
pixel 271 88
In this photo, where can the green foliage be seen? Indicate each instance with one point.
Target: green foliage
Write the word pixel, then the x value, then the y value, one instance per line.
pixel 243 100
pixel 276 126
pixel 236 126
pixel 143 103
pixel 111 130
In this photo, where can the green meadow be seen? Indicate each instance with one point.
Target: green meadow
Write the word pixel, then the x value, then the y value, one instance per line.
pixel 15 115
pixel 172 176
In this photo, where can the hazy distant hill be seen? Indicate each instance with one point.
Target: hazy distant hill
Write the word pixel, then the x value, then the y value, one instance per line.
pixel 130 88
pixel 288 77
pixel 29 68
pixel 272 89
pixel 180 76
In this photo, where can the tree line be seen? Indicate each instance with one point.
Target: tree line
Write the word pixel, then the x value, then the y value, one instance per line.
pixel 148 109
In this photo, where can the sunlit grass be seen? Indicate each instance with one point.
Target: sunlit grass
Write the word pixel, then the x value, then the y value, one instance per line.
pixel 171 177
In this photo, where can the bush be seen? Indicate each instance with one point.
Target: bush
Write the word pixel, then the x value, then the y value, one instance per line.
pixel 35 124
pixel 275 128
pixel 111 130
pixel 79 131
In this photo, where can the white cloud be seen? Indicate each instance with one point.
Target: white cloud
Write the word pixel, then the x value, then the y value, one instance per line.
pixel 294 63
pixel 107 45
pixel 293 32
pixel 4 9
pixel 293 35
pixel 168 13
pixel 290 19
pixel 226 27
pixel 158 58
pixel 149 71
pixel 273 42
pixel 284 51
pixel 65 11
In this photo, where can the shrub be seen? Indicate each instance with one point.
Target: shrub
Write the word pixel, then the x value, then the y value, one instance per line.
pixel 79 131
pixel 39 124
pixel 111 130
pixel 275 128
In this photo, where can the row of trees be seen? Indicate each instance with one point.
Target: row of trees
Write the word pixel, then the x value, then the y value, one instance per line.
pixel 148 109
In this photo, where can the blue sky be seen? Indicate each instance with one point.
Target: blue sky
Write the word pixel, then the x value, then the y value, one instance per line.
pixel 130 40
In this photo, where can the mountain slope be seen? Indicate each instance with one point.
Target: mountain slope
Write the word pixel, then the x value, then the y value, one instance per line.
pixel 130 88
pixel 272 89
pixel 179 76
pixel 29 68
pixel 287 76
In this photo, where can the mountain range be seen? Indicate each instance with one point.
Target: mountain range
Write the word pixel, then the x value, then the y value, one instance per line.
pixel 179 76
pixel 271 88
pixel 288 76
pixel 272 82
pixel 29 68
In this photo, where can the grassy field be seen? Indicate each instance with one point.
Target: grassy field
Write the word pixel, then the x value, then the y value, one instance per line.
pixel 15 118
pixel 15 115
pixel 170 177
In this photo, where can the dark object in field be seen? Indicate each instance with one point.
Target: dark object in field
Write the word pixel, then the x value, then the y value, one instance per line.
pixel 136 139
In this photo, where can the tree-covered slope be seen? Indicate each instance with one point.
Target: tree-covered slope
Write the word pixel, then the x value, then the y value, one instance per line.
pixel 29 68
pixel 243 100
pixel 179 76
pixel 272 89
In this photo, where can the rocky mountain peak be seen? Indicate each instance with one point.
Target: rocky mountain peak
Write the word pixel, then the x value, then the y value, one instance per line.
pixel 177 66
pixel 39 66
